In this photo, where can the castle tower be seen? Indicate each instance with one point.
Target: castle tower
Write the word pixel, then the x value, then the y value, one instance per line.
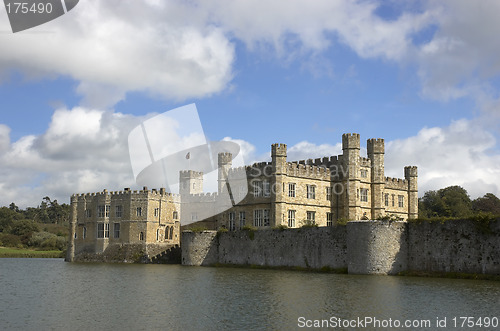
pixel 411 176
pixel 278 162
pixel 350 157
pixel 70 254
pixel 376 152
pixel 225 161
pixel 190 182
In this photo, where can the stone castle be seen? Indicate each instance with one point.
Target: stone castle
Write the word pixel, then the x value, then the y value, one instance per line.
pixel 264 195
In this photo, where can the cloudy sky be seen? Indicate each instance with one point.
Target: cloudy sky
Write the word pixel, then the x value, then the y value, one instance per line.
pixel 424 75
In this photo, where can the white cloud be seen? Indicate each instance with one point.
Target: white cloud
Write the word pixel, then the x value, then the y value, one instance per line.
pixel 305 150
pixel 460 154
pixel 83 150
pixel 112 47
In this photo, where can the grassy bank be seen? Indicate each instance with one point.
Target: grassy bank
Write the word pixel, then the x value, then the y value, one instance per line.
pixel 22 252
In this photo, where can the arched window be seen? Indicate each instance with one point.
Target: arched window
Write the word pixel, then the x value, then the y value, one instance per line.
pixel 171 232
pixel 157 234
pixel 167 232
pixel 141 236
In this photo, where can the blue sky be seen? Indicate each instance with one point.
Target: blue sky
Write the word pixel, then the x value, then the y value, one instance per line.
pixel 424 75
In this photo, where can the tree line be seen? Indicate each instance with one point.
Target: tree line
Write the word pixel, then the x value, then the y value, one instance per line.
pixel 454 202
pixel 42 227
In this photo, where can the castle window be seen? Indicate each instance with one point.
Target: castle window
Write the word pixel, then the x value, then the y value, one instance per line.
pixel 88 213
pixel 267 188
pixel 364 173
pixel 171 232
pixel 141 236
pixel 102 230
pixel 257 189
pixel 232 225
pixel 329 219
pixel 157 212
pixel 386 199
pixel 311 192
pixel 84 232
pixel 242 219
pixel 108 207
pixel 311 217
pixel 291 218
pixel 75 236
pixel 194 186
pixel 116 230
pixel 194 217
pixel 139 211
pixel 393 200
pixel 101 211
pixel 157 234
pixel 175 215
pixel 119 211
pixel 266 217
pixel 258 217
pixel 329 193
pixel 166 232
pixel 364 194
pixel 291 190
pixel 401 200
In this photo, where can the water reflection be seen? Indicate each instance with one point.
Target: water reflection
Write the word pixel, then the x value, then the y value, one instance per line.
pixel 52 294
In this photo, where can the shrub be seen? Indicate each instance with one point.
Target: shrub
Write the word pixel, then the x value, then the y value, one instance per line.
pixel 10 240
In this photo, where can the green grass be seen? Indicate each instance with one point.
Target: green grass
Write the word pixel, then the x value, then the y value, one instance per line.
pixel 22 252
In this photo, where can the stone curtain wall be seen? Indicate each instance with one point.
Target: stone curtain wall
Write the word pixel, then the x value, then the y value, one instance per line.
pixel 364 247
pixel 454 246
pixel 305 247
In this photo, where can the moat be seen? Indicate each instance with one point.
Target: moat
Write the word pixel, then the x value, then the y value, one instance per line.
pixel 45 294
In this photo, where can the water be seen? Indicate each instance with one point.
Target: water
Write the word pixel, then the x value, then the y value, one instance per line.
pixel 50 294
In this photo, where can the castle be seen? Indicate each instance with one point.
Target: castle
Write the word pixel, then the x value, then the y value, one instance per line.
pixel 264 195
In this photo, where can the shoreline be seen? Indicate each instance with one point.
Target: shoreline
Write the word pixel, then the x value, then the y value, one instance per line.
pixel 11 252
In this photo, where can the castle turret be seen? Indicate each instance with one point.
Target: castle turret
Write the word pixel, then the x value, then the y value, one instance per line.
pixel 350 151
pixel 278 162
pixel 376 151
pixel 190 182
pixel 225 161
pixel 70 255
pixel 411 175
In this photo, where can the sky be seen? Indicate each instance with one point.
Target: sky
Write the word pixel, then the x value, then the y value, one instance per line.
pixel 423 75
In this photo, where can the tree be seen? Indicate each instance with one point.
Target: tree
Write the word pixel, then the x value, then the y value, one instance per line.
pixel 451 201
pixel 489 203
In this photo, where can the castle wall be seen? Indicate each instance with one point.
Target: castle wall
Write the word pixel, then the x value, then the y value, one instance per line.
pixel 307 248
pixel 454 246
pixel 363 247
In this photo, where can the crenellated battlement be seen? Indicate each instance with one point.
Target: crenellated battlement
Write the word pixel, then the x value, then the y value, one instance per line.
pixel 375 146
pixel 224 158
pixel 396 183
pixel 190 174
pixel 411 171
pixel 278 150
pixel 307 171
pixel 126 192
pixel 350 141
pixel 364 162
